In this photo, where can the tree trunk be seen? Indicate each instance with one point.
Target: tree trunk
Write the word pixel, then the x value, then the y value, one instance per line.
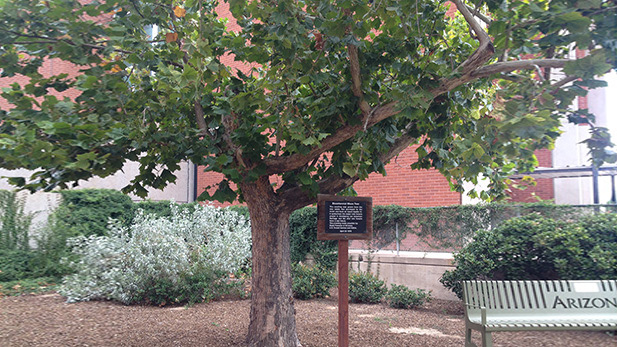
pixel 273 320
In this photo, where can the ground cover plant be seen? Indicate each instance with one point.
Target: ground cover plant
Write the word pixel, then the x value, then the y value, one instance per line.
pixel 186 257
pixel 320 95
pixel 536 247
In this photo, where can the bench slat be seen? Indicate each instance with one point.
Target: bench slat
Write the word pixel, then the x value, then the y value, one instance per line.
pixel 539 305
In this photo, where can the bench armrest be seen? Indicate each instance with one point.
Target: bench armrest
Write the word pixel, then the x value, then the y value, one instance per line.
pixel 482 312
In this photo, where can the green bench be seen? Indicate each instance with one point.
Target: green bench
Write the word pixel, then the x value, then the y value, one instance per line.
pixel 538 305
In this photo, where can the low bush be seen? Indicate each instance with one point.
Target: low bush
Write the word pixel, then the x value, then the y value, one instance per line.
pixel 310 282
pixel 303 230
pixel 87 211
pixel 399 296
pixel 186 257
pixel 15 264
pixel 364 287
pixel 536 247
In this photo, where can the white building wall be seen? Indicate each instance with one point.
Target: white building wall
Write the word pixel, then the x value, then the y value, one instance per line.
pixel 42 204
pixel 571 152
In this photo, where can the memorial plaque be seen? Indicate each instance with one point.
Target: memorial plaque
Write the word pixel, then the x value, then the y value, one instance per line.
pixel 344 218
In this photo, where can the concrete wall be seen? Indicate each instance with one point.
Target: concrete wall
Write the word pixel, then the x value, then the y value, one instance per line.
pixel 412 269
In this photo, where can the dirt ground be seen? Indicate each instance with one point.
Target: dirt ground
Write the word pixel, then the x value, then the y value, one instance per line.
pixel 47 320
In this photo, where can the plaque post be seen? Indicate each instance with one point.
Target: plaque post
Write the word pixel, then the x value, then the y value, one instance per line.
pixel 343 293
pixel 344 218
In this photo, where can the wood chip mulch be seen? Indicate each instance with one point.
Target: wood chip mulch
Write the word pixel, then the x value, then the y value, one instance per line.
pixel 47 320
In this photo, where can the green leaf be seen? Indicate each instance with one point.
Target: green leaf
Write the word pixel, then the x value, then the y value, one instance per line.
pixel 349 169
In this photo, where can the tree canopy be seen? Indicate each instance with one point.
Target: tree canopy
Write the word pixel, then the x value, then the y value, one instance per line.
pixel 326 93
pixel 316 94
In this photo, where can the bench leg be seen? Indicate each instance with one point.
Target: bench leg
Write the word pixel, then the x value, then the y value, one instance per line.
pixel 468 342
pixel 487 339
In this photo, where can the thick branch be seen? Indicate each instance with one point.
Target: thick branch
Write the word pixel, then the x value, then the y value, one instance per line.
pixel 509 66
pixel 199 117
pixel 478 58
pixel 477 13
pixel 297 198
pixel 485 51
pixel 278 165
pixel 356 82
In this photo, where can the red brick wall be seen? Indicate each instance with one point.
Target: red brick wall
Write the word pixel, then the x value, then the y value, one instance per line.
pixel 406 187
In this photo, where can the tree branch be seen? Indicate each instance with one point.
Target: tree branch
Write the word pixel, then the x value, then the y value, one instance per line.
pixel 478 58
pixel 356 82
pixel 199 117
pixel 563 82
pixel 230 122
pixel 485 51
pixel 509 66
pixel 49 40
pixel 282 164
pixel 470 69
pixel 477 13
pixel 296 198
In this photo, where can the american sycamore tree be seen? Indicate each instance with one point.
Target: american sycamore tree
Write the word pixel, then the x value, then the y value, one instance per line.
pixel 320 94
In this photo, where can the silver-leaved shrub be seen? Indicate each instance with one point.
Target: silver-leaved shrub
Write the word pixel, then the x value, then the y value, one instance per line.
pixel 185 257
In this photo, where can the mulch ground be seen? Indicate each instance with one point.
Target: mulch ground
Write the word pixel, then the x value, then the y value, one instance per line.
pixel 47 320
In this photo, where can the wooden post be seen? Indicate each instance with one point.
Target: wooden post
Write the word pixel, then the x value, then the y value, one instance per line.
pixel 343 293
pixel 344 218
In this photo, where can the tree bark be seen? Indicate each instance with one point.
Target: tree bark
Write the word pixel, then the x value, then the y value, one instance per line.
pixel 273 320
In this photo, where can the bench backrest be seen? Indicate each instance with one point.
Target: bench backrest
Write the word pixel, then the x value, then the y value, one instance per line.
pixel 553 298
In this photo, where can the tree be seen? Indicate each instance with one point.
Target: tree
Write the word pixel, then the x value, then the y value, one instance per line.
pixel 328 92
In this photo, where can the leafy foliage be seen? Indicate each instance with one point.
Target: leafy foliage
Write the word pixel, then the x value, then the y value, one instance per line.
pixel 454 226
pixel 327 83
pixel 87 211
pixel 399 296
pixel 15 264
pixel 310 282
pixel 364 287
pixel 14 222
pixel 303 229
pixel 185 257
pixel 27 286
pixel 536 247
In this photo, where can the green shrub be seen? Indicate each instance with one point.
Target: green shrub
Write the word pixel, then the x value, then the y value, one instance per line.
pixel 15 264
pixel 14 222
pixel 240 209
pixel 364 287
pixel 87 211
pixel 303 229
pixel 161 208
pixel 310 282
pixel 200 285
pixel 535 247
pixel 52 255
pixel 400 296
